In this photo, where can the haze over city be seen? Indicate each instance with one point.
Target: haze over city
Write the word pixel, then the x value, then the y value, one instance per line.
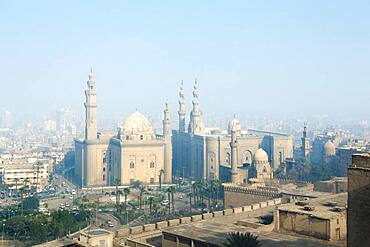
pixel 261 58
pixel 184 123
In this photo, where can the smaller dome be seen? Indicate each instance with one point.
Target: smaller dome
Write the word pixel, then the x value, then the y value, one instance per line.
pixel 234 125
pixel 137 127
pixel 329 148
pixel 261 156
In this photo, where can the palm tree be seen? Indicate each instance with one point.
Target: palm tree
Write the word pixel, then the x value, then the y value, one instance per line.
pixel 150 199
pixel 117 182
pixel 21 190
pixel 126 192
pixel 169 200
pixel 237 239
pixel 173 190
pixel 16 185
pixel 190 195
pixel 161 173
pixel 37 164
pixel 142 190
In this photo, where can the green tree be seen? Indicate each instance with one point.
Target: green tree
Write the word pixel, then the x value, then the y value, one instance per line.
pixel 161 173
pixel 151 199
pixel 190 195
pixel 237 239
pixel 141 192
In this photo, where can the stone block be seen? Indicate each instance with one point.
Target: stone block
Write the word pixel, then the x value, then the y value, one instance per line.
pixel 263 204
pixel 218 213
pixel 123 232
pixel 149 227
pixel 228 211
pixel 136 229
pixel 161 225
pixel 207 216
pixel 174 222
pixel 238 210
pixel 255 206
pixel 185 220
pixel 277 201
pixel 196 218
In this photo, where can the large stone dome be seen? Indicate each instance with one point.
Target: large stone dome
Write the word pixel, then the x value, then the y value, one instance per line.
pixel 329 148
pixel 260 156
pixel 234 125
pixel 137 126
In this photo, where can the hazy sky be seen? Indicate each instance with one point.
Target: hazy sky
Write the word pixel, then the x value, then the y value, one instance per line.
pixel 250 57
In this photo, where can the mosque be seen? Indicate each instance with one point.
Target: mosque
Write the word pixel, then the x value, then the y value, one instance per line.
pixel 134 153
pixel 137 153
pixel 229 155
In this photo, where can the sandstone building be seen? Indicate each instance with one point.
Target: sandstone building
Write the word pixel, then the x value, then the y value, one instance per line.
pixel 134 153
pixel 359 201
pixel 200 152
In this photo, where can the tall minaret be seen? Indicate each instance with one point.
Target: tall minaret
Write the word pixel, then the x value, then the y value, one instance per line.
pixel 90 109
pixel 305 143
pixel 196 125
pixel 182 110
pixel 167 146
pixel 234 156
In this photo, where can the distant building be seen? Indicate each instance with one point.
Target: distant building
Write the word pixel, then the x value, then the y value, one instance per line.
pixel 134 153
pixel 25 174
pixel 7 119
pixel 359 201
pixel 211 153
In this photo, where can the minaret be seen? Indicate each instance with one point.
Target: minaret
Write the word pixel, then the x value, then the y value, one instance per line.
pixel 234 156
pixel 196 125
pixel 182 110
pixel 90 109
pixel 305 143
pixel 167 145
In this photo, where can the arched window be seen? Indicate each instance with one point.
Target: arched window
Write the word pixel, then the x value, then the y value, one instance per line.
pixel 227 160
pixel 151 164
pixel 141 137
pixel 132 165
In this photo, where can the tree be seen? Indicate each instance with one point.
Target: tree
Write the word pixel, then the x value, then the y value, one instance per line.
pixel 142 190
pixel 169 200
pixel 37 165
pixel 190 195
pixel 173 190
pixel 21 191
pixel 126 192
pixel 237 239
pixel 150 199
pixel 161 173
pixel 117 182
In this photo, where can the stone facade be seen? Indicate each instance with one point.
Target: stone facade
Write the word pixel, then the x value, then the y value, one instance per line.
pixel 134 153
pixel 359 201
pixel 203 152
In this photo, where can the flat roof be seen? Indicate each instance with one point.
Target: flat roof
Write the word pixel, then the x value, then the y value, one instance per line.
pixel 215 231
pixel 320 209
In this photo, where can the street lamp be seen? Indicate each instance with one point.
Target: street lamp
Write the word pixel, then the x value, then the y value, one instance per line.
pixel 2 234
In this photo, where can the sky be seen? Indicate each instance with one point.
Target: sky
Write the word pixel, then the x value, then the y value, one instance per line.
pixel 268 58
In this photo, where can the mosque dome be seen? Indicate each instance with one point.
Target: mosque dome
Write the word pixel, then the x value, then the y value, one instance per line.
pixel 137 125
pixel 329 148
pixel 260 156
pixel 234 125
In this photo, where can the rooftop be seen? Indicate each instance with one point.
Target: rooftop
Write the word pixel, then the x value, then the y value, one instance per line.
pixel 215 230
pixel 323 207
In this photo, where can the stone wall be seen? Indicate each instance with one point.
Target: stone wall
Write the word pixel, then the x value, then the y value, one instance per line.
pixel 358 205
pixel 235 196
pixel 130 232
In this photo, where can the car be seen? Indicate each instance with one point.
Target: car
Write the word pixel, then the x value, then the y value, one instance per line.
pixel 164 202
pixel 110 225
pixel 109 222
pixel 71 197
pixel 67 205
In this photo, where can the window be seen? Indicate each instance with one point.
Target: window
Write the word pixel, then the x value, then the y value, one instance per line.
pixel 103 169
pixel 103 177
pixel 132 165
pixel 142 160
pixel 152 164
pixel 141 137
pixel 151 180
